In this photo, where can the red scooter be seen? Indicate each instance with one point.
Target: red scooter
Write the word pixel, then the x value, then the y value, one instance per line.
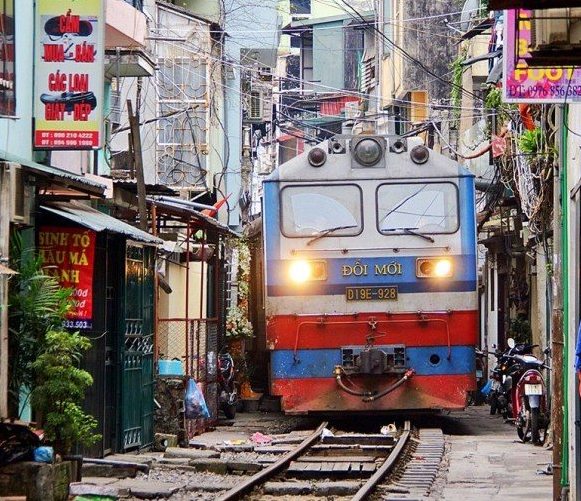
pixel 530 410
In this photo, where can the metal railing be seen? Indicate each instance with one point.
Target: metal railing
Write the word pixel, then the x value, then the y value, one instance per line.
pixel 195 343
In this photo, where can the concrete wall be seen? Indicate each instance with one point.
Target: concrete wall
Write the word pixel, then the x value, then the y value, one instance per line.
pixel 16 133
pixel 427 40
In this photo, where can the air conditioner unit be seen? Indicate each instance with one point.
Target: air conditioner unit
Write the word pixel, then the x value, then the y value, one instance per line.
pixel 553 28
pixel 20 195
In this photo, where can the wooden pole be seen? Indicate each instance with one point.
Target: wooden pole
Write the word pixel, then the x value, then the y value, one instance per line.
pixel 138 163
pixel 4 254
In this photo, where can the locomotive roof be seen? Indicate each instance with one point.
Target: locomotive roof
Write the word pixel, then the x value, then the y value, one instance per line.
pixel 397 166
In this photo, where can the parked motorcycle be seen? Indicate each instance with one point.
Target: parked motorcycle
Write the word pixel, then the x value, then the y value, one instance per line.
pixel 529 396
pixel 228 396
pixel 518 391
pixel 500 394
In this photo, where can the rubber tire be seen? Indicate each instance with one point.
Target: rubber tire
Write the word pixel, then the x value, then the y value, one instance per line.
pixel 229 411
pixel 493 405
pixel 534 417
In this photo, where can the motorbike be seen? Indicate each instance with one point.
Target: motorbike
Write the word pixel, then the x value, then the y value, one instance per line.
pixel 529 396
pixel 228 395
pixel 500 395
pixel 518 391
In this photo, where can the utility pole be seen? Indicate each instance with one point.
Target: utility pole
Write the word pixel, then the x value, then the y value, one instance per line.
pixel 138 164
pixel 557 341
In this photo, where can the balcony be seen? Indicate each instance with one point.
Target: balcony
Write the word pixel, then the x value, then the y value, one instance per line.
pixel 126 24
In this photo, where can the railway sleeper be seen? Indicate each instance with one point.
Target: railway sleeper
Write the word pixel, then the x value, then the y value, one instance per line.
pixel 303 470
pixel 304 488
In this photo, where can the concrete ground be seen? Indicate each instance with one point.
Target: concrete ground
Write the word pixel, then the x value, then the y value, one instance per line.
pixel 486 461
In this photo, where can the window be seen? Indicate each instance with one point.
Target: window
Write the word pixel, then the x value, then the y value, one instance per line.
pixel 422 207
pixel 310 210
pixel 300 7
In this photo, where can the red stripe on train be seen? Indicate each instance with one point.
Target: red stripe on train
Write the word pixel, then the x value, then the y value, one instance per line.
pixel 411 329
pixel 420 392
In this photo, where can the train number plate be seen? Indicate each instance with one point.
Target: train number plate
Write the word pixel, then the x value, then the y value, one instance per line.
pixel 388 293
pixel 533 389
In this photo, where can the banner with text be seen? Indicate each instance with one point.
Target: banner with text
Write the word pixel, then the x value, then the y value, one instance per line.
pixel 68 96
pixel 68 254
pixel 7 83
pixel 524 84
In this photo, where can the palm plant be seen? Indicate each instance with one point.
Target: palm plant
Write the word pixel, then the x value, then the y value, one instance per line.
pixel 37 304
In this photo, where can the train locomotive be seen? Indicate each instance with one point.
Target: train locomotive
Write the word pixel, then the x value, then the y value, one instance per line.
pixel 370 278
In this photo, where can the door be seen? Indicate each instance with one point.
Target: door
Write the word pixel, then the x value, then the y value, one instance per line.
pixel 137 356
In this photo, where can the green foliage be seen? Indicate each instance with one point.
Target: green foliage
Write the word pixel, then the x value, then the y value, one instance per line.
pixel 493 99
pixel 61 389
pixel 237 323
pixel 531 141
pixel 37 303
pixel 520 330
pixel 456 92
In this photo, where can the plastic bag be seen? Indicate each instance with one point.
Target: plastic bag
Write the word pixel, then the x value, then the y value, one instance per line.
pixel 486 389
pixel 194 402
pixel 44 454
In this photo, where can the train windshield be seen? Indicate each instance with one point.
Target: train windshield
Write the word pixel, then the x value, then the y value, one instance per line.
pixel 419 207
pixel 310 210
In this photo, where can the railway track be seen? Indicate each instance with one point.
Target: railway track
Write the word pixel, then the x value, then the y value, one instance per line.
pixel 356 466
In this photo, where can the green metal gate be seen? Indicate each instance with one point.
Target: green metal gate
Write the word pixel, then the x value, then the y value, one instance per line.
pixel 137 349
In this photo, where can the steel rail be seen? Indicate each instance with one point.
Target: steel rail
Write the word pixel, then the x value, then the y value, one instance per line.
pixel 240 490
pixel 368 487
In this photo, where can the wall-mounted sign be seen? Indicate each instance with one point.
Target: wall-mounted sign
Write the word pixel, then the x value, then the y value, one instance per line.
pixel 7 80
pixel 68 254
pixel 68 97
pixel 524 84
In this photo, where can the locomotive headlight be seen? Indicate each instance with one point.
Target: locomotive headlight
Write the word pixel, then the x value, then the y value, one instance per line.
pixel 368 152
pixel 302 271
pixel 434 268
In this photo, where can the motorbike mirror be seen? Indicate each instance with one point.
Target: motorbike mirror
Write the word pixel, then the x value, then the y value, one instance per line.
pixel 510 342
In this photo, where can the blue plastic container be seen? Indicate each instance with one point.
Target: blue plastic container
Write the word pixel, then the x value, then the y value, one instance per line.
pixel 170 368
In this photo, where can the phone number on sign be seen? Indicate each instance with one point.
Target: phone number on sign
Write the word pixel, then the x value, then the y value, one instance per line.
pixel 544 91
pixel 77 324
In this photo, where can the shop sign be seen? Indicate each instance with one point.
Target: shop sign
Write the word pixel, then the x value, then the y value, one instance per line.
pixel 524 84
pixel 68 254
pixel 7 81
pixel 68 96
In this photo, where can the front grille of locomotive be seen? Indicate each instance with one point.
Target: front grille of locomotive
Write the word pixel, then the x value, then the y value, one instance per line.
pixel 386 359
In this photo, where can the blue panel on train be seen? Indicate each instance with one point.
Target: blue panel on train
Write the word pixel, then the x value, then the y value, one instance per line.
pixel 320 363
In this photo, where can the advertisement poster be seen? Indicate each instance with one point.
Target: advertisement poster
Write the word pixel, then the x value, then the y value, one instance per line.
pixel 7 83
pixel 68 254
pixel 68 95
pixel 524 84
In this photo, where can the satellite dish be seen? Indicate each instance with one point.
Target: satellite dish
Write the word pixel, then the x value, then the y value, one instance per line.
pixel 469 12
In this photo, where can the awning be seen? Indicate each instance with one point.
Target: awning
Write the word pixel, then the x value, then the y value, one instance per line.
pixel 495 73
pixel 98 221
pixel 483 57
pixel 179 209
pixel 55 174
pixel 478 29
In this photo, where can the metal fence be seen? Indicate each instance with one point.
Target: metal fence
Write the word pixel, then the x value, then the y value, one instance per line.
pixel 195 343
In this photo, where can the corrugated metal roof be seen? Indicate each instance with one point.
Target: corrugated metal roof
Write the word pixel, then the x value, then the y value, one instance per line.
pixel 98 221
pixel 60 175
pixel 177 207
